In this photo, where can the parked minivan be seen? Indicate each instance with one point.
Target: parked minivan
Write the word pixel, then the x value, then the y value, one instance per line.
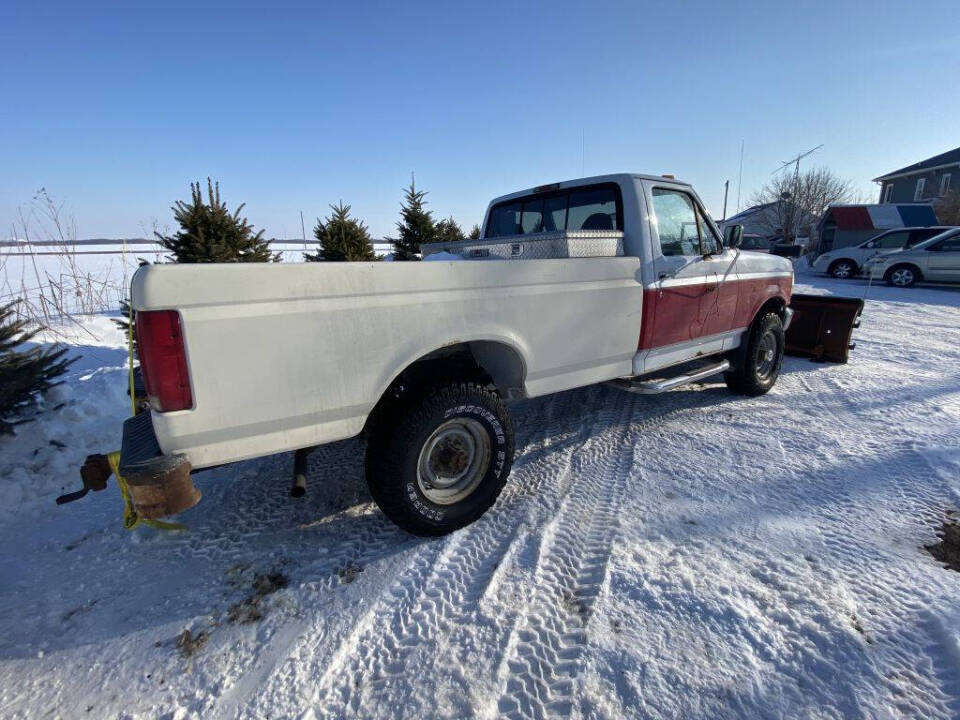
pixel 936 260
pixel 849 262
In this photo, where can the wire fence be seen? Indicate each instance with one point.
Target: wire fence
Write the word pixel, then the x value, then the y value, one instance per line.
pixel 50 280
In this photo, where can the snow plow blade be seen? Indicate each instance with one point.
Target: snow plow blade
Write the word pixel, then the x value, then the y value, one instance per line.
pixel 822 327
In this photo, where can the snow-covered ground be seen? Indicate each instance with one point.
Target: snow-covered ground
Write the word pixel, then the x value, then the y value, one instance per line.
pixel 693 555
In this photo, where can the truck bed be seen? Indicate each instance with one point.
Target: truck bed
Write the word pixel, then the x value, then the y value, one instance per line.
pixel 288 356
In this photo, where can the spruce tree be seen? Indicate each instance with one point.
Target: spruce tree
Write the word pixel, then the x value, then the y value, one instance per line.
pixel 416 225
pixel 209 232
pixel 449 231
pixel 474 233
pixel 25 373
pixel 341 238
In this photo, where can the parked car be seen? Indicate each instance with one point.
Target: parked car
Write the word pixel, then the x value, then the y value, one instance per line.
pixel 243 360
pixel 849 262
pixel 752 241
pixel 935 260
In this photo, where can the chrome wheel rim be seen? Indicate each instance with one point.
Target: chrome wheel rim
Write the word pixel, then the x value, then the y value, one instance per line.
pixel 843 270
pixel 766 355
pixel 902 277
pixel 453 461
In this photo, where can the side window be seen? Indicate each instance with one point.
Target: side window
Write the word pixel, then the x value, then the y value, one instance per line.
pixel 892 241
pixel 951 244
pixel 711 243
pixel 504 220
pixel 593 210
pixel 676 223
pixel 918 236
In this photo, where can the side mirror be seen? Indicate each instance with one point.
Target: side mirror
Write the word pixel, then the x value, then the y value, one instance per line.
pixel 732 236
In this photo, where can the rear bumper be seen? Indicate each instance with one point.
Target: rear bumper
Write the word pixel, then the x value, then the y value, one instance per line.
pixel 160 485
pixel 140 456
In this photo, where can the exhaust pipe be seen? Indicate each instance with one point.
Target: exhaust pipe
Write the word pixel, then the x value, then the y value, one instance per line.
pixel 299 488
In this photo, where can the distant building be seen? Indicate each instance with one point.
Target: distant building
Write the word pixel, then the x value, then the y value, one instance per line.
pixel 764 222
pixel 847 225
pixel 926 180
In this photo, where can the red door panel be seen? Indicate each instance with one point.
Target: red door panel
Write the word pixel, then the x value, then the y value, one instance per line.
pixel 674 314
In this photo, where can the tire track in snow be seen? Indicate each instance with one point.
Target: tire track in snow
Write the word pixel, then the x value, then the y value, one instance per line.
pixel 436 589
pixel 538 674
pixel 918 682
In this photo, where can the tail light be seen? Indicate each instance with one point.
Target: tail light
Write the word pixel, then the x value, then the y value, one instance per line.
pixel 163 360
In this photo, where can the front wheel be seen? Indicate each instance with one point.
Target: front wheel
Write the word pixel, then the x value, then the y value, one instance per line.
pixel 438 461
pixel 758 364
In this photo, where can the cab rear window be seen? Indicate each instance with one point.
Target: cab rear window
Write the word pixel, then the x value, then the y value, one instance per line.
pixel 595 207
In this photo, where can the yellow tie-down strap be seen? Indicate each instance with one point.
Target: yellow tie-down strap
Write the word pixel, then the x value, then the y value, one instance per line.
pixel 130 517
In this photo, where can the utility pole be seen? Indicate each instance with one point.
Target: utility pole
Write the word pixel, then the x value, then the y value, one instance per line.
pixel 726 189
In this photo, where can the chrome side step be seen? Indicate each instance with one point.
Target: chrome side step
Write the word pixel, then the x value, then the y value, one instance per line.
pixel 652 387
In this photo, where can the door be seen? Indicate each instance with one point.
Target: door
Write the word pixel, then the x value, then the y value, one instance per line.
pixel 720 303
pixel 896 240
pixel 677 304
pixel 943 260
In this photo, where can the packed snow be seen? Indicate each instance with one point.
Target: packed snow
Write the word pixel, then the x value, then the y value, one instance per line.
pixel 694 554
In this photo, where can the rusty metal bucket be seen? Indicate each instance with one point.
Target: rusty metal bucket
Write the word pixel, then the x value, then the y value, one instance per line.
pixel 823 326
pixel 168 493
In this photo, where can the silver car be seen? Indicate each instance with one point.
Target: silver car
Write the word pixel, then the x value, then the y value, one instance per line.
pixel 935 260
pixel 848 262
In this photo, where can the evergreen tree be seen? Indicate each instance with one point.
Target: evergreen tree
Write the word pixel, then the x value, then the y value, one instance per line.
pixel 474 233
pixel 416 225
pixel 341 238
pixel 209 232
pixel 449 231
pixel 25 373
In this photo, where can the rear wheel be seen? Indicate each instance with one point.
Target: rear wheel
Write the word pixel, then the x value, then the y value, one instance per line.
pixel 902 275
pixel 843 269
pixel 439 460
pixel 758 364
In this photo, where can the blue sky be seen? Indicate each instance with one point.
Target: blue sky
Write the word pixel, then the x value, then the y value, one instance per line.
pixel 115 108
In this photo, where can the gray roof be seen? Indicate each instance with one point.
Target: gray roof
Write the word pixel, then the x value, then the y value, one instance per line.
pixel 951 157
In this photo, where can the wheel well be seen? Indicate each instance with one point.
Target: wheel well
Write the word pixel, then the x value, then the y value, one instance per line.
pixel 773 305
pixel 485 361
pixel 916 269
pixel 840 260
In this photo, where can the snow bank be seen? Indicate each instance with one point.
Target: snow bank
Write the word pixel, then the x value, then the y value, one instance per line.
pixel 81 416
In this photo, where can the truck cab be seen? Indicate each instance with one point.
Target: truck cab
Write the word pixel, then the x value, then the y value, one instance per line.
pixel 699 293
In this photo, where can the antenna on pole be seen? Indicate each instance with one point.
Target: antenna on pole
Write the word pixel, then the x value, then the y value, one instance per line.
pixel 583 161
pixel 303 230
pixel 796 161
pixel 740 176
pixel 788 214
pixel 726 190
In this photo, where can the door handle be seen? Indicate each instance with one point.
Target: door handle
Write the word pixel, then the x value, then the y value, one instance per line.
pixel 709 289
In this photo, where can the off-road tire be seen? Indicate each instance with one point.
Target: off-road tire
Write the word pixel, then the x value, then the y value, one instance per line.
pixel 754 373
pixel 843 269
pixel 394 457
pixel 907 271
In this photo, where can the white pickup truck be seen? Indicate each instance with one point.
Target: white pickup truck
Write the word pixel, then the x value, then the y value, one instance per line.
pixel 245 360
